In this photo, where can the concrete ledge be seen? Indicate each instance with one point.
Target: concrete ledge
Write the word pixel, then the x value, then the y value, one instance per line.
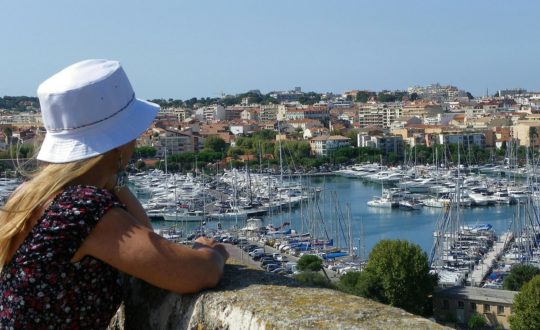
pixel 251 299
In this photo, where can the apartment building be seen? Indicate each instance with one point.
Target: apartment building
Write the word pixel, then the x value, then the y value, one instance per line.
pixel 527 132
pixel 173 141
pixel 234 113
pixel 464 139
pixel 214 112
pixel 324 145
pixel 268 113
pixel 180 113
pixel 387 144
pixel 421 109
pixel 377 115
pixel 320 113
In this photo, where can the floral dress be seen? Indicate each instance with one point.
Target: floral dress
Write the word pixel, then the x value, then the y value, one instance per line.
pixel 40 288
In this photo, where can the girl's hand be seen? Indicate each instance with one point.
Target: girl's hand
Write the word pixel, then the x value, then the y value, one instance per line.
pixel 210 243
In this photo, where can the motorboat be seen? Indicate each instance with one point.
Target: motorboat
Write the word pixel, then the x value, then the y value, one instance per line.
pixel 381 202
pixel 410 205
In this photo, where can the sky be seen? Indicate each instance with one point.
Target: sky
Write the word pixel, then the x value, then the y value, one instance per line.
pixel 201 48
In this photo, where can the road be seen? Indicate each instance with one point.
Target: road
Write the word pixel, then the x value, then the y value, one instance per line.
pixel 238 254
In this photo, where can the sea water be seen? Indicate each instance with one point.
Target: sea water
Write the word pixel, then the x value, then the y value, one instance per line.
pixel 344 198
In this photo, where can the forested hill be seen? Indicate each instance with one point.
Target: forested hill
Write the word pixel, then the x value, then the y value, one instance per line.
pixel 19 103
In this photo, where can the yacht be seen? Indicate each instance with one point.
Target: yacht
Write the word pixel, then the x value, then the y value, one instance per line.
pixel 410 205
pixel 382 202
pixel 437 202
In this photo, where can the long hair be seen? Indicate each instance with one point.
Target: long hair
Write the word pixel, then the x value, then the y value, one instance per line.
pixel 43 185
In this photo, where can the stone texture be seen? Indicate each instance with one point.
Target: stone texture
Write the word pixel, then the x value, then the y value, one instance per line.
pixel 251 299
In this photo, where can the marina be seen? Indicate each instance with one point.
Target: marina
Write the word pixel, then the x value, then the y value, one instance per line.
pixel 367 224
pixel 334 216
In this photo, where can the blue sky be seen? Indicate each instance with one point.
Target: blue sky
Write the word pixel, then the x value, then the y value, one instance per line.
pixel 200 48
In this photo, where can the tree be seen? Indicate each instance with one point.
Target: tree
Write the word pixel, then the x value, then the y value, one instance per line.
pixel 145 152
pixel 519 275
pixel 476 321
pixel 309 262
pixel 526 305
pixel 397 273
pixel 386 97
pixel 8 132
pixel 309 98
pixel 413 96
pixel 25 150
pixel 361 284
pixel 363 96
pixel 215 143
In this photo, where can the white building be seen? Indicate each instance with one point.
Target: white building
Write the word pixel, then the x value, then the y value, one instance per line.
pixel 211 113
pixel 324 145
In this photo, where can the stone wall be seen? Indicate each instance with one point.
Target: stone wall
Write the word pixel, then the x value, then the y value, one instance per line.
pixel 251 299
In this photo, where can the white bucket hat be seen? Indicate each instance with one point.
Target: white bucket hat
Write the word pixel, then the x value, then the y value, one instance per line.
pixel 88 109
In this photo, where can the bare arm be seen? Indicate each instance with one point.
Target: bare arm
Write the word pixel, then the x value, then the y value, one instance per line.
pixel 134 207
pixel 119 240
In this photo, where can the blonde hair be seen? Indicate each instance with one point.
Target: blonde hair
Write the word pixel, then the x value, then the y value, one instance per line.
pixel 45 183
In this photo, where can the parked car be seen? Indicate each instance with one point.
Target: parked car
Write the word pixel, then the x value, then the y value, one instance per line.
pixel 270 267
pixel 279 270
pixel 268 262
pixel 251 247
pixel 282 258
pixel 257 251
pixel 290 266
pixel 259 256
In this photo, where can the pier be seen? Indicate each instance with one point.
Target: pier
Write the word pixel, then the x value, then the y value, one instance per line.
pixel 484 267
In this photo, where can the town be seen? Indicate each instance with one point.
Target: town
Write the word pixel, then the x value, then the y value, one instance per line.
pixel 385 120
pixel 295 132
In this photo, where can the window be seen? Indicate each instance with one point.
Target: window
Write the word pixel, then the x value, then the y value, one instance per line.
pixel 500 309
pixel 460 304
pixel 446 305
pixel 473 307
pixel 486 308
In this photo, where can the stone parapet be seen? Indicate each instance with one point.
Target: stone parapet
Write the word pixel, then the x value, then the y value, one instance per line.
pixel 251 299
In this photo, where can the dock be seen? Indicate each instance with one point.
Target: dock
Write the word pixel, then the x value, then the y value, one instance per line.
pixel 486 265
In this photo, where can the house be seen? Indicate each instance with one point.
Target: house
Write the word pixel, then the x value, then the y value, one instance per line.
pixel 315 131
pixel 304 124
pixel 325 145
pixel 250 114
pixel 242 127
pixel 404 121
pixel 461 302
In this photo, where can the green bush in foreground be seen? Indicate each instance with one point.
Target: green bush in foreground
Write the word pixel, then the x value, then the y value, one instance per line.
pixel 397 273
pixel 526 307
pixel 313 279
